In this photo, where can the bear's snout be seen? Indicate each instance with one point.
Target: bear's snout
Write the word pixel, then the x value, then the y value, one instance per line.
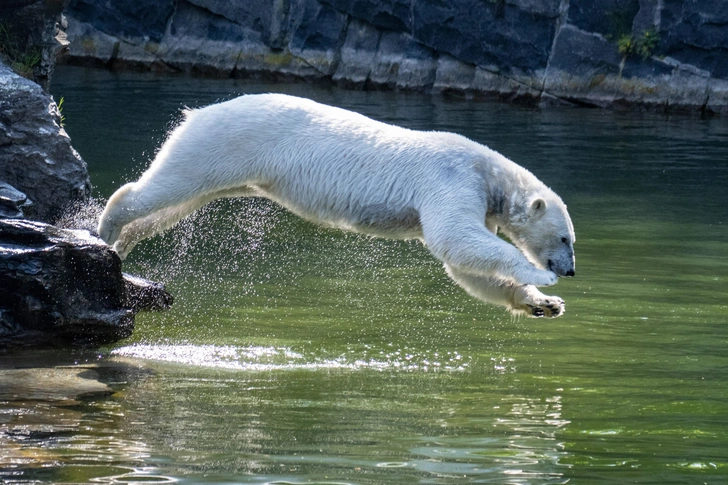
pixel 560 270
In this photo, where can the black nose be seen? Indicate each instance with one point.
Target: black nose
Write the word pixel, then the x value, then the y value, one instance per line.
pixel 570 273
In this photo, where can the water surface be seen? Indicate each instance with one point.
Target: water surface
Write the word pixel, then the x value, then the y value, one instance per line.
pixel 301 355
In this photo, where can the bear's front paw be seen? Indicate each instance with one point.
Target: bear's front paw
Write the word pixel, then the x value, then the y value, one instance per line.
pixel 540 277
pixel 535 304
pixel 551 307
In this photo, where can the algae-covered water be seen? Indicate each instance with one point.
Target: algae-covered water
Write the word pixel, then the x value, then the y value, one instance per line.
pixel 300 355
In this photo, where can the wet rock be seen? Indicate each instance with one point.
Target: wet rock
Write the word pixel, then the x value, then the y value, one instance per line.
pixel 45 397
pixel 36 156
pixel 13 202
pixel 142 294
pixel 60 287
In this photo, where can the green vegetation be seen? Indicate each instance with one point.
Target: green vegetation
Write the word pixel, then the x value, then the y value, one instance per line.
pixel 60 111
pixel 23 59
pixel 644 45
pixel 620 31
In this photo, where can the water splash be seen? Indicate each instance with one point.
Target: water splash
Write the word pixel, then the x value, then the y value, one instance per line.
pixel 260 358
pixel 222 238
pixel 82 215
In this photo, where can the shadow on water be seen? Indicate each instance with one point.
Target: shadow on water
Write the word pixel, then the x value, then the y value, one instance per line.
pixel 297 354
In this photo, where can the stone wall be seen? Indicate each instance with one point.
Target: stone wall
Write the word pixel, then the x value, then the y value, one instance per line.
pixel 674 53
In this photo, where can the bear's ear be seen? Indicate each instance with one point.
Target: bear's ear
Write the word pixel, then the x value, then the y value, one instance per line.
pixel 538 207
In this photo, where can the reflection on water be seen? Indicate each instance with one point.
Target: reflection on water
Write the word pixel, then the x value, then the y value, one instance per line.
pixel 299 355
pixel 140 475
pixel 281 358
pixel 44 432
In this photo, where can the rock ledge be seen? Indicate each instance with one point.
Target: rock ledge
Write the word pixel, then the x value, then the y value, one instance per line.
pixel 60 287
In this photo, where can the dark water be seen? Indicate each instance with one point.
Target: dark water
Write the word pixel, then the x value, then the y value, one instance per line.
pixel 300 355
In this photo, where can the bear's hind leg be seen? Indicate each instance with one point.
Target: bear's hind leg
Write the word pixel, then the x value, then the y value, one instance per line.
pixel 119 211
pixel 143 227
pixel 137 211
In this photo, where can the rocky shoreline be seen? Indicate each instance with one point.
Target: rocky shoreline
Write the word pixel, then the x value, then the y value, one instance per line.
pixel 58 287
pixel 670 56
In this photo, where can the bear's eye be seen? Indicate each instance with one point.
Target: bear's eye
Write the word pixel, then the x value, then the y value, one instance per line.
pixel 564 240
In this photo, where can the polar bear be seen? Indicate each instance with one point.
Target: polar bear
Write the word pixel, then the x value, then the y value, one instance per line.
pixel 339 168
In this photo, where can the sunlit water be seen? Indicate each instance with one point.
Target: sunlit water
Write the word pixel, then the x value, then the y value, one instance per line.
pixel 300 355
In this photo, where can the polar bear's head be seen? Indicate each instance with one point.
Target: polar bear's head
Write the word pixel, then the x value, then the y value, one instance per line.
pixel 541 228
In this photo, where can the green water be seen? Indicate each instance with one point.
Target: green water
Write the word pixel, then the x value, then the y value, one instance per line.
pixel 300 355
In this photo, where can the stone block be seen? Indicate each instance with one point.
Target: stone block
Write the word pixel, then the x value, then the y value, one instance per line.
pixel 485 33
pixel 393 15
pixel 317 34
pixel 357 54
pixel 610 18
pixel 403 63
pixel 125 18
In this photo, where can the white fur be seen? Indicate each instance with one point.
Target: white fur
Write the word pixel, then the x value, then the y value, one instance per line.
pixel 339 168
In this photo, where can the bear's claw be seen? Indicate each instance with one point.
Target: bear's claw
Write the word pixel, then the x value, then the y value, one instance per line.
pixel 550 308
pixel 535 304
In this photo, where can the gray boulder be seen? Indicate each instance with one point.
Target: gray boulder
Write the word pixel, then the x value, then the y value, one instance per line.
pixel 486 33
pixel 586 68
pixel 36 155
pixel 60 287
